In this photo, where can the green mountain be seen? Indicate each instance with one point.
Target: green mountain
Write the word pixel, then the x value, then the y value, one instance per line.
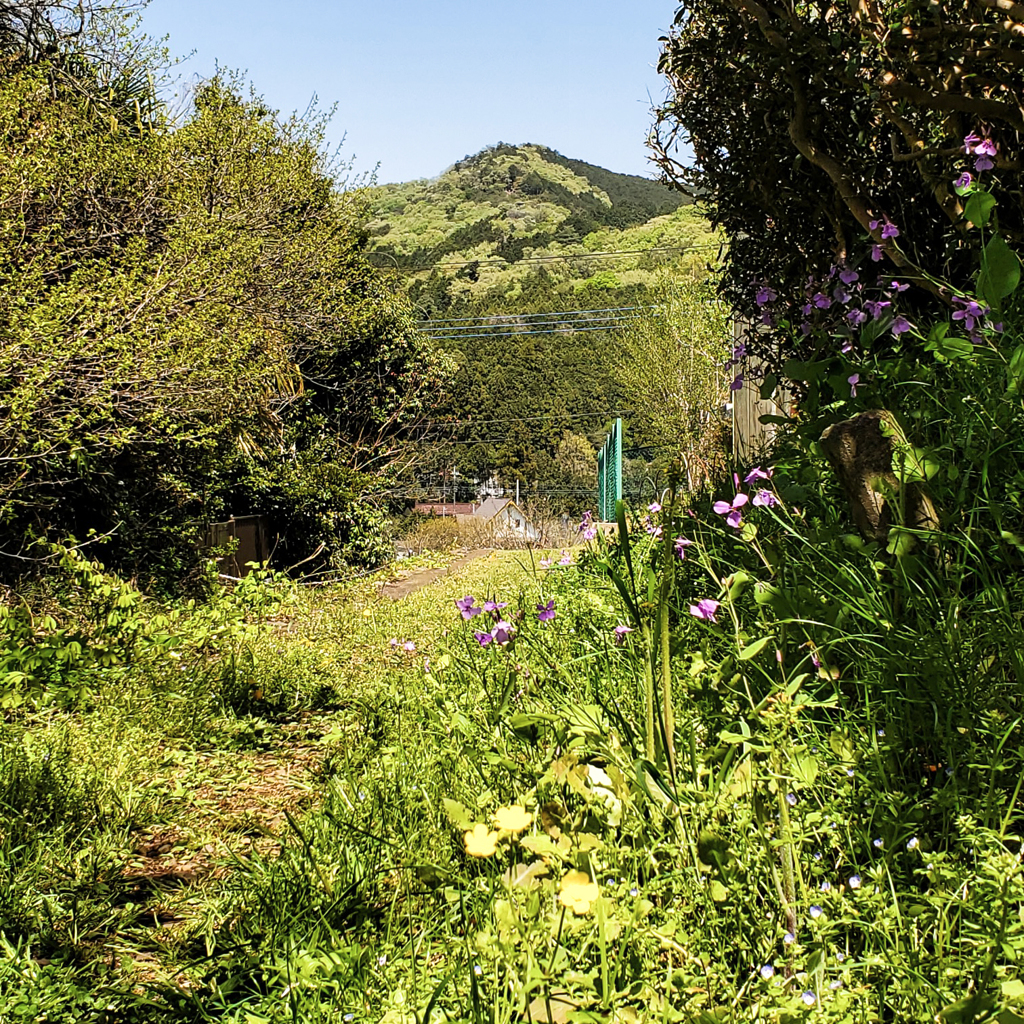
pixel 491 220
pixel 505 254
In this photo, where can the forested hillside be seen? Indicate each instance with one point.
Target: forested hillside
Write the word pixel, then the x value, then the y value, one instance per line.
pixel 526 265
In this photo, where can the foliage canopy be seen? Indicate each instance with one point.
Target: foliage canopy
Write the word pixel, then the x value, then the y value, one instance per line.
pixel 813 126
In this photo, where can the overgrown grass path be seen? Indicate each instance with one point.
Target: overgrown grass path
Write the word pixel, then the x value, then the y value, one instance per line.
pixel 336 654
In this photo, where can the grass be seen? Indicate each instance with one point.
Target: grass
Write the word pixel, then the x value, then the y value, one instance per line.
pixel 366 813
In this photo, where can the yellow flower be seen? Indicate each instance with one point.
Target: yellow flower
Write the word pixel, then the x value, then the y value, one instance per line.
pixel 512 819
pixel 481 842
pixel 577 892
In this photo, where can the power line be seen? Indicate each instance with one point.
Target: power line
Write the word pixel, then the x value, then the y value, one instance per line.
pixel 522 316
pixel 532 419
pixel 524 334
pixel 538 323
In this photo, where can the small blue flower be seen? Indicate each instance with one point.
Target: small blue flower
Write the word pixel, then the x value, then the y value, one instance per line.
pixel 789 938
pixel 877 843
pixel 815 911
pixel 791 799
pixel 853 881
pixel 826 886
pixel 634 891
pixel 835 984
pixel 809 998
pixel 913 843
pixel 768 971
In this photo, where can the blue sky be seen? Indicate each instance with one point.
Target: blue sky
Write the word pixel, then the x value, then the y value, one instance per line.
pixel 421 83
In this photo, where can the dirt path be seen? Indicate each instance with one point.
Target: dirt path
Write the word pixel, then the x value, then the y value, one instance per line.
pixel 397 589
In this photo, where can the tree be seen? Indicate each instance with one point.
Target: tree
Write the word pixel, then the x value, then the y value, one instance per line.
pixel 670 368
pixel 819 128
pixel 184 315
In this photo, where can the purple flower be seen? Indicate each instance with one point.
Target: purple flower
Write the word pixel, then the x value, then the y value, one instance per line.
pixel 502 632
pixel 566 558
pixel 468 607
pixel 621 632
pixel 483 638
pixel 757 473
pixel 970 313
pixel 731 510
pixel 791 799
pixel 807 309
pixel 767 972
pixel 840 294
pixel 809 998
pixel 876 309
pixel 409 646
pixel 964 182
pixel 815 911
pixel 654 507
pixel 393 641
pixel 737 383
pixel 970 141
pixel 848 275
pixel 856 317
pixel 681 544
pixel 984 150
pixel 493 606
pixel 889 230
pixel 765 295
pixel 898 287
pixel 900 325
pixel 586 524
pixel 739 352
pixel 853 881
pixel 765 499
pixel 589 533
pixel 545 562
pixel 821 300
pixel 853 380
pixel 705 609
pixel 546 612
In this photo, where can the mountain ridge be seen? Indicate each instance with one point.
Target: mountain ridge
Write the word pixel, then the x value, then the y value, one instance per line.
pixel 511 203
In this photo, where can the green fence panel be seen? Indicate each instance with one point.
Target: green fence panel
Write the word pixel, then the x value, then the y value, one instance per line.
pixel 609 474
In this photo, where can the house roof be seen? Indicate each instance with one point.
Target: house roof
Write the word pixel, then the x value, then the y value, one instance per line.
pixel 490 507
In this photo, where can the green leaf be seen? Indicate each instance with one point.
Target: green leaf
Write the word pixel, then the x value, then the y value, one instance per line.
pixel 978 208
pixel 768 386
pixel 901 542
pixel 805 769
pixel 1015 371
pixel 458 814
pixel 967 1010
pixel 796 370
pixel 1000 272
pixel 1013 989
pixel 719 893
pixel 754 649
